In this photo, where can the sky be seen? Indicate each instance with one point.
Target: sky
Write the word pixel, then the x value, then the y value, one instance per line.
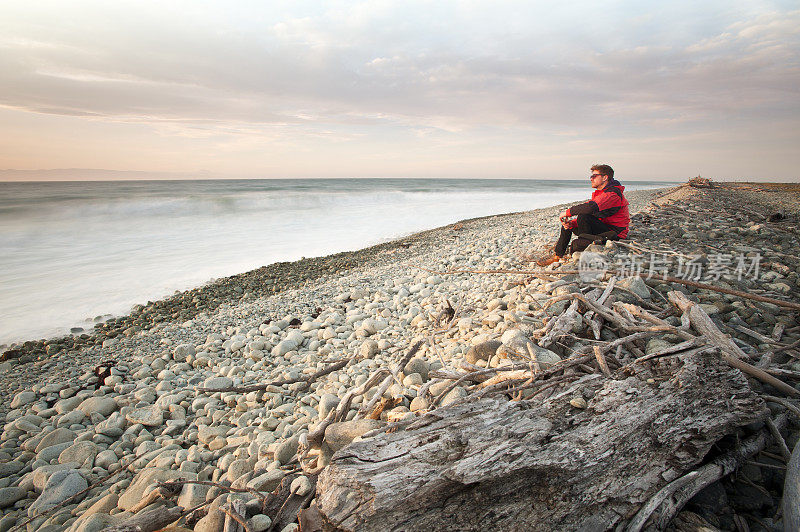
pixel 529 89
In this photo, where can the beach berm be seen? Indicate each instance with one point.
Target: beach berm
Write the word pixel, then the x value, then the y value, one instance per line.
pixel 259 393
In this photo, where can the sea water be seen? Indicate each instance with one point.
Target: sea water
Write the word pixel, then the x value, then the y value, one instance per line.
pixel 71 251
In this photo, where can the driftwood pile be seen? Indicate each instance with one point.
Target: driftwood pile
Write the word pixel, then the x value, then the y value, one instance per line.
pixel 584 444
pixel 701 182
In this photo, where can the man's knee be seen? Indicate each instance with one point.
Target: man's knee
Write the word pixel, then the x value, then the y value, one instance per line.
pixel 584 222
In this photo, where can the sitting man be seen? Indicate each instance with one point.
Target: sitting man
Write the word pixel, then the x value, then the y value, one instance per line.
pixel 604 217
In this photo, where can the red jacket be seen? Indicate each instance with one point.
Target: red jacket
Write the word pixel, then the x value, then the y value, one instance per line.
pixel 609 205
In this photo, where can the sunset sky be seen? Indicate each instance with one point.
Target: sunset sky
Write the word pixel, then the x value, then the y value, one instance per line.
pixel 660 90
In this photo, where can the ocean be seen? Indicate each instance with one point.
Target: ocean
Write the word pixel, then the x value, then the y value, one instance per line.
pixel 74 251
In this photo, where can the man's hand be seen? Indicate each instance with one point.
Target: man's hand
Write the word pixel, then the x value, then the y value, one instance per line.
pixel 565 220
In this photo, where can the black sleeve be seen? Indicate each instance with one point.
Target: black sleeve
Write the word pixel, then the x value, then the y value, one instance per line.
pixel 584 208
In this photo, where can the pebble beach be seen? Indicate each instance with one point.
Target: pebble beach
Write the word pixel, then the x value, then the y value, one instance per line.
pixel 80 454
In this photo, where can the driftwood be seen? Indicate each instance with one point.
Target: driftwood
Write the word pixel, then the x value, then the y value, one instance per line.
pixel 669 500
pixel 310 519
pixel 730 351
pixel 149 521
pixel 791 493
pixel 700 182
pixel 685 282
pixel 547 465
pixel 235 517
pixel 308 379
pixel 284 505
pixel 160 492
pixel 370 405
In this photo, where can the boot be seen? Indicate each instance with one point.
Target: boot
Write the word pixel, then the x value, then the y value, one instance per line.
pixel 548 260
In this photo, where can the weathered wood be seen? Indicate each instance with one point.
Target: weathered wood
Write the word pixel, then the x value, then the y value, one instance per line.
pixel 148 521
pixel 549 466
pixel 791 493
pixel 665 504
pixel 306 379
pixel 235 517
pixel 601 361
pixel 310 519
pixel 288 511
pixel 731 353
pixel 370 405
pixel 561 325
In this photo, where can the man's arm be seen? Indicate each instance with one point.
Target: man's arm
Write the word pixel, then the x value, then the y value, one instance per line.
pixel 584 208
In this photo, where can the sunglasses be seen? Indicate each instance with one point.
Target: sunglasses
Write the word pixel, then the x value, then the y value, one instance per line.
pixel 595 175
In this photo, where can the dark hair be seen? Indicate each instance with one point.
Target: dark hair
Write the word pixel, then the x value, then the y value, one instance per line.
pixel 604 169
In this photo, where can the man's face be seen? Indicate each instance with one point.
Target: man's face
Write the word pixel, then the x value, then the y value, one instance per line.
pixel 598 180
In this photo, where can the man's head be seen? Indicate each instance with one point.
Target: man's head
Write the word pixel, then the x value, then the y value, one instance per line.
pixel 601 175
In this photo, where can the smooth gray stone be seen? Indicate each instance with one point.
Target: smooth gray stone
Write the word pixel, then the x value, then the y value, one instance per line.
pixel 8 496
pixel 60 486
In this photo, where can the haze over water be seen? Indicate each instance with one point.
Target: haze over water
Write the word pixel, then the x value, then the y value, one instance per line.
pixel 70 251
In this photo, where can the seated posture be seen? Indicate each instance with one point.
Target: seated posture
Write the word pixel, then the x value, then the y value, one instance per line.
pixel 604 217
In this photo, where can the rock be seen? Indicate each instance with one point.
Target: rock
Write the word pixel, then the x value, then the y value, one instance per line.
pixel 60 486
pixel 182 351
pixel 105 458
pixel 284 347
pixel 101 405
pixel 96 523
pixel 10 468
pixel 545 357
pixel 636 285
pixel 369 349
pixel 515 345
pixel 55 437
pixel 268 481
pixel 207 434
pixel 192 495
pixel 300 486
pixel 82 452
pixel 578 402
pixel 214 521
pixel 454 395
pixel 71 418
pixel 418 403
pixel 67 405
pixel 412 379
pixel 23 398
pixel 286 450
pixel 417 365
pixel 239 468
pixel 51 453
pixel 41 475
pixel 113 427
pixel 144 480
pixel 8 496
pixel 482 351
pixel 327 403
pixel 654 345
pixel 217 383
pixel 150 416
pixel 100 508
pixel 337 435
pixel 260 523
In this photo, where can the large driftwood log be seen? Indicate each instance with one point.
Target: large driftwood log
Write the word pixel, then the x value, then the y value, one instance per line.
pixel 791 493
pixel 498 465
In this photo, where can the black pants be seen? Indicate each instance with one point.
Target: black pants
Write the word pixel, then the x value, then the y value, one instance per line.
pixel 589 229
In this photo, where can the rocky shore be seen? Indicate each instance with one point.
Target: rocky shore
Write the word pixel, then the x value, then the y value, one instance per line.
pixel 219 396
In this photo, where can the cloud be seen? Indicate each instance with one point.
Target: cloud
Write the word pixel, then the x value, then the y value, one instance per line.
pixel 289 72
